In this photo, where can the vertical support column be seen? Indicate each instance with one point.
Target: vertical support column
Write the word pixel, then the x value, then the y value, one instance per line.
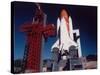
pixel 55 55
pixel 78 42
pixel 42 46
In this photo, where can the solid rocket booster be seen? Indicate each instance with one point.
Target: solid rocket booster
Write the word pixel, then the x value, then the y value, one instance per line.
pixel 65 30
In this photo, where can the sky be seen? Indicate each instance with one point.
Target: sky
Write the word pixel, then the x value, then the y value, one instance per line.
pixel 84 18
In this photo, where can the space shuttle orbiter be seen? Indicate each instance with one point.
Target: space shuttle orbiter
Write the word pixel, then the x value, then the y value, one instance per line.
pixel 65 37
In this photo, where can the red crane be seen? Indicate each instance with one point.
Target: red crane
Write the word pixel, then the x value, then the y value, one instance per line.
pixel 35 31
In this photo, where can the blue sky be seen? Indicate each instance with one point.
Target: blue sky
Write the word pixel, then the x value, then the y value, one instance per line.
pixel 84 18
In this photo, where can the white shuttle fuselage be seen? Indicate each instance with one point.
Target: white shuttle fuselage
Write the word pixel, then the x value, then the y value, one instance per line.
pixel 65 37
